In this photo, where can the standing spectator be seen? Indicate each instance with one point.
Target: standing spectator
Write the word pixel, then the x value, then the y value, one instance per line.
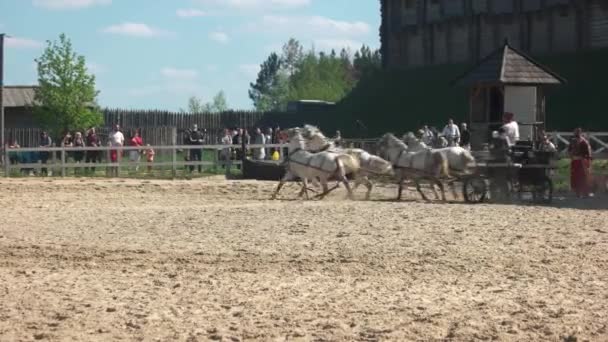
pixel 67 141
pixel 92 141
pixel 511 128
pixel 247 139
pixel 259 153
pixel 277 135
pixel 116 139
pixel 546 145
pixel 427 135
pixel 13 157
pixel 226 153
pixel 196 139
pixel 580 166
pixel 268 140
pixel 338 139
pixel 135 155
pixel 78 155
pixel 451 133
pixel 465 136
pixel 238 141
pixel 45 142
pixel 149 152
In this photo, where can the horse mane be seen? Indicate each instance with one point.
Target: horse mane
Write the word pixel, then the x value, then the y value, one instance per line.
pixel 392 140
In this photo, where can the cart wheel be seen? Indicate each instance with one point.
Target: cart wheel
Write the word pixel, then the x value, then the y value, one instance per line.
pixel 474 190
pixel 543 191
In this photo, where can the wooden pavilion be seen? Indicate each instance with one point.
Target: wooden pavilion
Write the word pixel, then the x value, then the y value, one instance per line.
pixel 507 80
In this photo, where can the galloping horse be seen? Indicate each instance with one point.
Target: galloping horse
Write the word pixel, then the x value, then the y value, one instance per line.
pixel 423 165
pixel 459 159
pixel 307 166
pixel 369 163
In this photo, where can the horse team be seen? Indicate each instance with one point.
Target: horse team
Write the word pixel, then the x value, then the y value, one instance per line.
pixel 313 158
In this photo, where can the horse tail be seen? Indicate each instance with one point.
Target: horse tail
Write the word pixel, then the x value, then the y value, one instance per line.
pixel 443 165
pixel 467 158
pixel 350 163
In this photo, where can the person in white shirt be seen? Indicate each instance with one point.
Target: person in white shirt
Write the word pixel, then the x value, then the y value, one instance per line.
pixel 511 128
pixel 451 133
pixel 226 153
pixel 116 139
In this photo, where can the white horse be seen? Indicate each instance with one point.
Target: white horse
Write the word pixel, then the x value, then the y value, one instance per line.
pixel 369 163
pixel 423 165
pixel 307 166
pixel 459 159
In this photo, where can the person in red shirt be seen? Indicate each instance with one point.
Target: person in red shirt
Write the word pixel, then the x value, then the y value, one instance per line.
pixel 135 155
pixel 580 165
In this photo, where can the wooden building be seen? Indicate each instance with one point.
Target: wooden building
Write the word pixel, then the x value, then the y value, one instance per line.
pixel 507 80
pixel 18 102
pixel 417 33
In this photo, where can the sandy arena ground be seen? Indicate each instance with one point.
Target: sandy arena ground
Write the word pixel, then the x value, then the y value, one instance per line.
pixel 215 260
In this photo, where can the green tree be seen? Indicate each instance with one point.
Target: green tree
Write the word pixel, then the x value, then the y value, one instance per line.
pixel 292 56
pixel 269 88
pixel 66 95
pixel 195 105
pixel 366 62
pixel 220 104
pixel 321 77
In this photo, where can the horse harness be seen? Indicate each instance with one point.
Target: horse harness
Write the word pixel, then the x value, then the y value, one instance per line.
pixel 307 164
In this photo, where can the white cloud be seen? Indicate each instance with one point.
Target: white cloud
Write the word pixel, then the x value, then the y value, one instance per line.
pixel 179 74
pixel 249 70
pixel 312 25
pixel 22 43
pixel 256 4
pixel 190 13
pixel 69 4
pixel 174 88
pixel 220 37
pixel 135 30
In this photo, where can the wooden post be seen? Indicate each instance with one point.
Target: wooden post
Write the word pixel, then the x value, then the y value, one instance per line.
pixel 53 160
pixel 63 162
pixel 2 140
pixel 174 152
pixel 7 161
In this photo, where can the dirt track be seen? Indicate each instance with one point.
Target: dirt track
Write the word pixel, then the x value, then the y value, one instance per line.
pixel 211 259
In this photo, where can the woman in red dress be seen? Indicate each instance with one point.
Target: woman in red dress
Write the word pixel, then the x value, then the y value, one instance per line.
pixel 580 166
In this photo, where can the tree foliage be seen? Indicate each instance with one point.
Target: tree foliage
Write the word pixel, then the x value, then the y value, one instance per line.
pixel 217 105
pixel 66 96
pixel 299 75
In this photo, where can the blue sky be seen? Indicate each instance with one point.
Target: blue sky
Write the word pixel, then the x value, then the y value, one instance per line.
pixel 157 53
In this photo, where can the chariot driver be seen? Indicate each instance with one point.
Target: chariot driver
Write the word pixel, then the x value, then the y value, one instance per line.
pixel 511 128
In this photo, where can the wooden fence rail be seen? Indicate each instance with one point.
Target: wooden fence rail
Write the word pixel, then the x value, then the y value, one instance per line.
pixel 57 158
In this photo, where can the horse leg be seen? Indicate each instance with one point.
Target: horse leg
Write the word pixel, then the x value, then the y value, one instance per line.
pixel 369 186
pixel 305 188
pixel 325 189
pixel 440 185
pixel 350 191
pixel 400 192
pixel 417 181
pixel 276 192
pixel 287 176
pixel 453 188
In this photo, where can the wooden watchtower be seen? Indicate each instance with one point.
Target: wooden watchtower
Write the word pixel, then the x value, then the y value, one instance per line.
pixel 507 80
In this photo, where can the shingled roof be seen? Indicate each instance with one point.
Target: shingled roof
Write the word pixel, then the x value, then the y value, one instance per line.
pixel 509 66
pixel 19 96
